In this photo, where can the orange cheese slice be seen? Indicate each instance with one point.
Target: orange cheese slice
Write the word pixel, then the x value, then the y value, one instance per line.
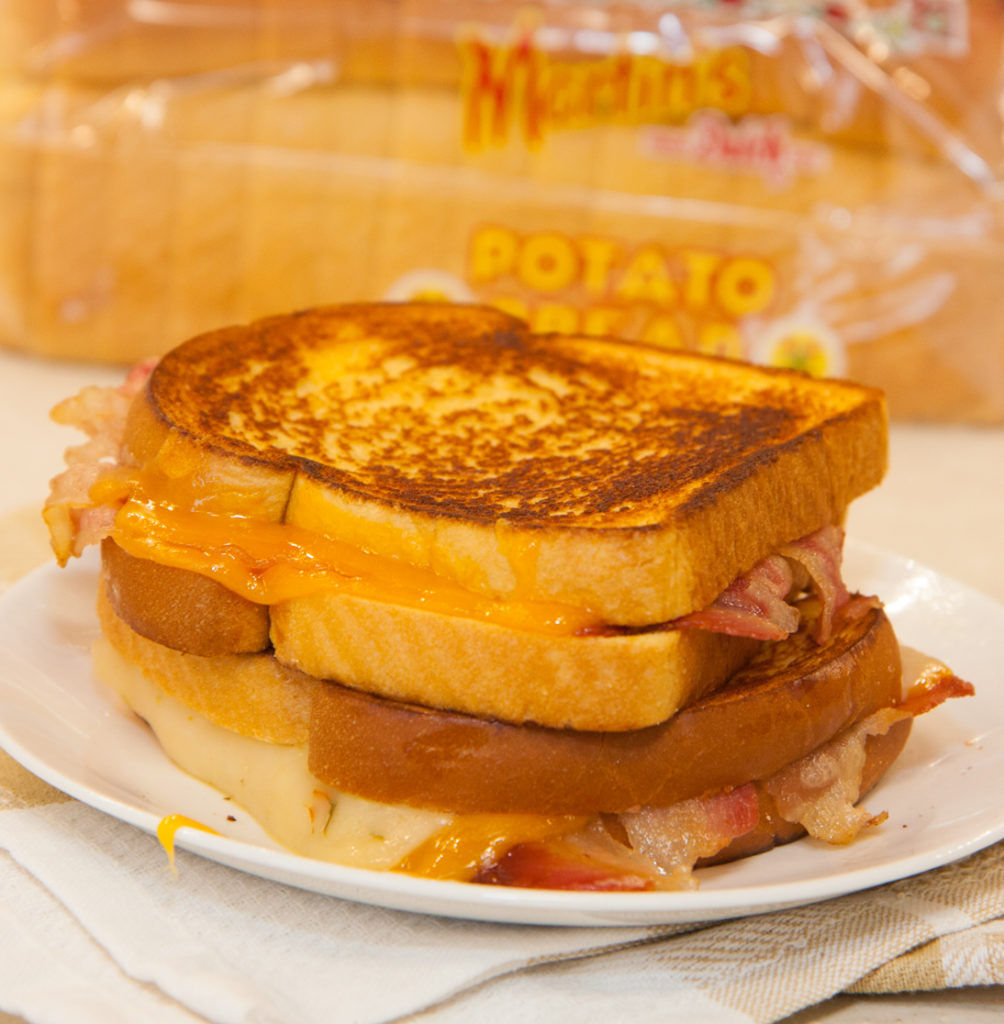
pixel 271 562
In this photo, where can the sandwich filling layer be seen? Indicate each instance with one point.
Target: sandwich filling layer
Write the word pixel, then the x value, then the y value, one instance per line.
pixel 270 563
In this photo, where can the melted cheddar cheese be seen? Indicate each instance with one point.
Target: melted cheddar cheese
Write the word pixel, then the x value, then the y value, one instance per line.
pixel 168 828
pixel 271 562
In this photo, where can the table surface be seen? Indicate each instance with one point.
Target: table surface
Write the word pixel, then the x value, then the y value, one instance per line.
pixel 942 503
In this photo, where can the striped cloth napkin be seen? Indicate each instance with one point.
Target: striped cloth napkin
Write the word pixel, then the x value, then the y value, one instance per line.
pixel 97 929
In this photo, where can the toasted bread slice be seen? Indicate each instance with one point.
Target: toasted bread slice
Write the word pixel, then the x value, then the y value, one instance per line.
pixel 181 609
pixel 251 694
pixel 631 481
pixel 605 682
pixel 793 697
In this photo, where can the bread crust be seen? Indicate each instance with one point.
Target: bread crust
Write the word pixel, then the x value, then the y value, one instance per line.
pixel 792 698
pixel 606 682
pixel 250 694
pixel 181 609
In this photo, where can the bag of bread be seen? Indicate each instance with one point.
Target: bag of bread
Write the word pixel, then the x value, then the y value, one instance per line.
pixel 785 182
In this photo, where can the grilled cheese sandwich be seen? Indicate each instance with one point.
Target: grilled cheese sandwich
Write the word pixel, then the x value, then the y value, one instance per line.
pixel 472 546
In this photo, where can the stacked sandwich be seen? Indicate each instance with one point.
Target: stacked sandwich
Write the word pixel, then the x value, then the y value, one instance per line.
pixel 426 592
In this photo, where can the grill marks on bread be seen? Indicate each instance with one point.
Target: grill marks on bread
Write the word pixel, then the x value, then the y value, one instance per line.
pixel 462 413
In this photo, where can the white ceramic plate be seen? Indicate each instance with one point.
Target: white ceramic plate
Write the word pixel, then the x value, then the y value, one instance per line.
pixel 943 795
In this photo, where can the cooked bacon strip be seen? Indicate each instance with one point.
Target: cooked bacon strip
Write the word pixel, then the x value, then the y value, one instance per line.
pixel 934 682
pixel 73 519
pixel 675 838
pixel 754 605
pixel 594 866
pixel 137 376
pixel 666 843
pixel 819 791
pixel 930 693
pixel 820 554
pixel 857 606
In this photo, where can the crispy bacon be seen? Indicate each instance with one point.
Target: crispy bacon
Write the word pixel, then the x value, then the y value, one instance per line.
pixel 73 519
pixel 138 375
pixel 675 838
pixel 856 606
pixel 662 845
pixel 754 605
pixel 757 604
pixel 589 861
pixel 934 682
pixel 820 554
pixel 820 790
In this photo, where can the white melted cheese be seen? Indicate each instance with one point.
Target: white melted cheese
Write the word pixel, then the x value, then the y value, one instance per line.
pixel 271 781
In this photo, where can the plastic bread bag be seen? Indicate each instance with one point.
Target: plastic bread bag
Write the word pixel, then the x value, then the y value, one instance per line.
pixel 775 181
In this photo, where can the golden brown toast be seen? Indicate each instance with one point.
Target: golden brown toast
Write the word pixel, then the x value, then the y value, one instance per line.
pixel 610 682
pixel 634 481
